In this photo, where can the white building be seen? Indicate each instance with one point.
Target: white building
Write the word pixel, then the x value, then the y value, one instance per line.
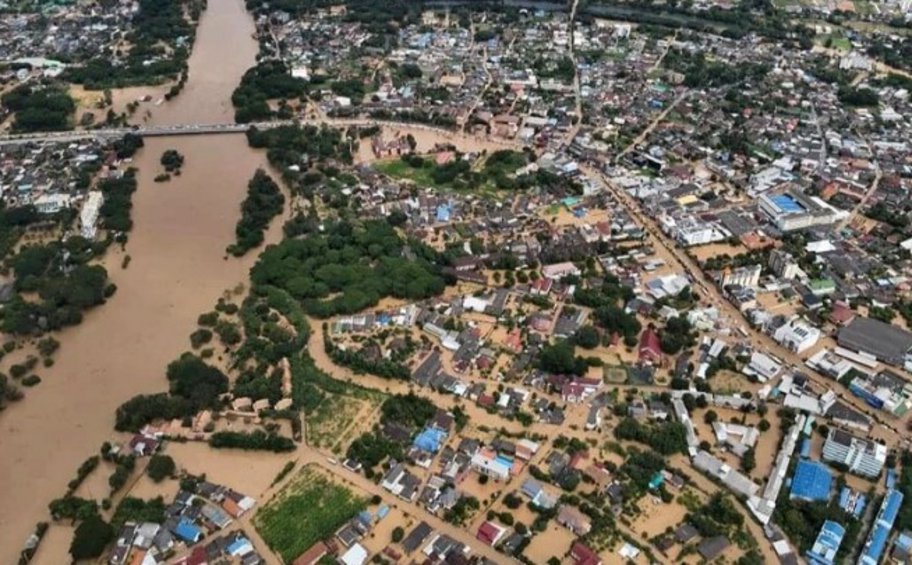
pixel 762 366
pixel 560 270
pixel 748 277
pixel 796 335
pixel 51 203
pixel 88 216
pixel 861 456
pixel 488 464
pixel 783 264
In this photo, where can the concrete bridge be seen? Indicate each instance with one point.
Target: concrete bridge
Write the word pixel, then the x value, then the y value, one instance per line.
pixel 145 131
pixel 215 129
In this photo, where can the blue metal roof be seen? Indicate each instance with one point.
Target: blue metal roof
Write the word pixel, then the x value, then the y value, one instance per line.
pixel 786 203
pixel 890 508
pixel 875 545
pixel 806 447
pixel 238 545
pixel 877 541
pixel 812 481
pixel 891 478
pixel 823 552
pixel 844 497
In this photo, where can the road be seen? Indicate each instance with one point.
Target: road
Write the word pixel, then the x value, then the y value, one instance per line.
pixel 878 174
pixel 757 339
pixel 649 129
pixel 307 455
pixel 578 101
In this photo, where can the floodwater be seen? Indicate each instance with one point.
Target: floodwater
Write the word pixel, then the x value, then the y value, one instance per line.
pixel 178 270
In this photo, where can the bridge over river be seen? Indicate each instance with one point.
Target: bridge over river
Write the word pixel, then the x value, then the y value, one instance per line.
pixel 213 129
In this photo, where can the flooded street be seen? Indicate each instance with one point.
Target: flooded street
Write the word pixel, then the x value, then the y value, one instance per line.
pixel 178 270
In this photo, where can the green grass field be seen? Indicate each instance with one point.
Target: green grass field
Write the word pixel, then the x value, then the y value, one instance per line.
pixel 308 509
pixel 399 169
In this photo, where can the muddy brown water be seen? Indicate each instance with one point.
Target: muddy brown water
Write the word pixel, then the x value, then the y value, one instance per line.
pixel 178 270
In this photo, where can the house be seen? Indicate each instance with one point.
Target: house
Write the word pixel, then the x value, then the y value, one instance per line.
pixel 416 537
pixel 558 271
pixel 571 518
pixel 685 532
pixel 711 548
pixel 487 462
pixel 490 533
pixel 143 445
pixel 312 555
pixel 650 350
pixel 188 532
pixel 356 555
pixel 541 287
pixel 399 481
pixel 582 555
pixel 579 390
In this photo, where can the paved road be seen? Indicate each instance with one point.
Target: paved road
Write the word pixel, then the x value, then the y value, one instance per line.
pixel 755 338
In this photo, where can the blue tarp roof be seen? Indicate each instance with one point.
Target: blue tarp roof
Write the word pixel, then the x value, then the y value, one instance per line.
pixel 187 531
pixel 429 440
pixel 656 481
pixel 812 481
pixel 382 511
pixel 860 505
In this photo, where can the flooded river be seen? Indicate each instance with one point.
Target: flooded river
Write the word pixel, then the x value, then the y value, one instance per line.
pixel 177 271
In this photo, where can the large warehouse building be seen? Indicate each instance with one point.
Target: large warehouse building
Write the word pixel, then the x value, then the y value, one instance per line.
pixel 888 343
pixel 793 210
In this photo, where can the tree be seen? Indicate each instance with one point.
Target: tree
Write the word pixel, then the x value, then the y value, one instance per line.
pixel 90 538
pixel 191 378
pixel 710 416
pixel 160 467
pixel 559 358
pixel 398 534
pixel 587 337
pixel 172 160
pixel 748 460
pixel 264 201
